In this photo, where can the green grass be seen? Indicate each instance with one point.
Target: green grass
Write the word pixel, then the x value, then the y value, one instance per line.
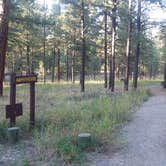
pixel 149 82
pixel 62 112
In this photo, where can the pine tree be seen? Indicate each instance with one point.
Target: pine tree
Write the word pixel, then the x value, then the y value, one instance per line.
pixel 3 40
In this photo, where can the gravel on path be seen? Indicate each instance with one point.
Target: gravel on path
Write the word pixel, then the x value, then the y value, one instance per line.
pixel 145 135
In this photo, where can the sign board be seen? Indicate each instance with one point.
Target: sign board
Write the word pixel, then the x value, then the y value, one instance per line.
pixel 25 79
pixel 14 110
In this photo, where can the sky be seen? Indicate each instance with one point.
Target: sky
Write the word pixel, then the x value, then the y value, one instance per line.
pixel 154 14
pixel 157 14
pixel 48 2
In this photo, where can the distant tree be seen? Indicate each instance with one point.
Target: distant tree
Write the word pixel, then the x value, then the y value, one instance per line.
pixel 105 46
pixel 112 58
pixel 128 45
pixel 140 29
pixel 135 79
pixel 163 38
pixel 83 58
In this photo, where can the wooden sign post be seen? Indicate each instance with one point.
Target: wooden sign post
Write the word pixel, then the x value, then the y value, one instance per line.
pixel 12 98
pixel 13 110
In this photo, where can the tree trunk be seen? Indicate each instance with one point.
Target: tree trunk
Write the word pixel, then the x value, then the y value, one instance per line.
pixel 32 61
pixel 113 44
pixel 105 50
pixel 73 67
pixel 135 79
pixel 13 63
pixel 73 59
pixel 28 55
pixel 53 66
pixel 164 84
pixel 3 40
pixel 44 58
pixel 67 66
pixel 151 71
pixel 59 69
pixel 20 57
pixel 110 73
pixel 118 71
pixel 94 76
pixel 44 44
pixel 128 46
pixel 82 78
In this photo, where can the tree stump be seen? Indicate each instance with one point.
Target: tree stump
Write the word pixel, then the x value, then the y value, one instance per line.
pixel 13 134
pixel 84 140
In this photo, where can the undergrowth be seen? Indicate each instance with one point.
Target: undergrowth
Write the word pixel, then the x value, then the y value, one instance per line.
pixel 100 116
pixel 59 121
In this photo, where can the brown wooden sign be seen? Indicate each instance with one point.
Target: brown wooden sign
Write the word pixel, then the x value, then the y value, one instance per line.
pixel 13 111
pixel 25 79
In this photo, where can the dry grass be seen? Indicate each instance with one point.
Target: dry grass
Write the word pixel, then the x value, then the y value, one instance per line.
pixel 62 112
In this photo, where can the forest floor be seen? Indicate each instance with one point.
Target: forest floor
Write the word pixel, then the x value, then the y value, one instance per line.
pixel 146 132
pixel 145 137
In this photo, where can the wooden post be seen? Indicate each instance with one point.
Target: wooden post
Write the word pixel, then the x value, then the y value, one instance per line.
pixel 32 104
pixel 12 97
pixel 13 110
pixel 13 134
pixel 84 140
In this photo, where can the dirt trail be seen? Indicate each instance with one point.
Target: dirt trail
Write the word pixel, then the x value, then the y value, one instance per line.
pixel 145 135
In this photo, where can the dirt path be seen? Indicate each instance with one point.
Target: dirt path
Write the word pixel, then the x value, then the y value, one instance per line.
pixel 145 135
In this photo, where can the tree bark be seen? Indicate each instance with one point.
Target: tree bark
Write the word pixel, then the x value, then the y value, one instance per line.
pixel 105 50
pixel 73 67
pixel 113 44
pixel 4 40
pixel 59 69
pixel 82 78
pixel 128 46
pixel 73 59
pixel 53 66
pixel 110 73
pixel 44 43
pixel 135 79
pixel 151 71
pixel 32 61
pixel 67 66
pixel 28 55
pixel 164 83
